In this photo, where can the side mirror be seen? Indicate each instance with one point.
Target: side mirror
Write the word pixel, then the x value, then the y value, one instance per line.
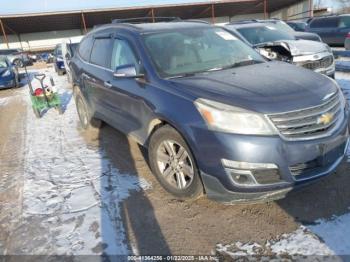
pixel 127 71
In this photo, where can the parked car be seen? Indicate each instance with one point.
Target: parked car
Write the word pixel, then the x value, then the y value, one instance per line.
pixel 347 42
pixel 9 76
pixel 46 57
pixel 283 26
pixel 17 57
pixel 215 115
pixel 299 26
pixel 276 44
pixel 58 60
pixel 33 57
pixel 332 29
pixel 69 47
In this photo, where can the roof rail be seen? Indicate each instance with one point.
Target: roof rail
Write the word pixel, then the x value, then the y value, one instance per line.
pixel 196 21
pixel 246 21
pixel 147 19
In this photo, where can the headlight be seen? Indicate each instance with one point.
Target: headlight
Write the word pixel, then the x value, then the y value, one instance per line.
pixel 226 118
pixel 342 98
pixel 6 73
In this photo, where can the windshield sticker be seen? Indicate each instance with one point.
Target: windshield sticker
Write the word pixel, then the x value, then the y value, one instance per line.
pixel 226 35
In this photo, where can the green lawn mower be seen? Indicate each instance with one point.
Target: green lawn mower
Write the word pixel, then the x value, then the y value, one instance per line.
pixel 44 97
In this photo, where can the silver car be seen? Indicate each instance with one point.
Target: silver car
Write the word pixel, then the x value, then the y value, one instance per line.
pixel 16 57
pixel 275 44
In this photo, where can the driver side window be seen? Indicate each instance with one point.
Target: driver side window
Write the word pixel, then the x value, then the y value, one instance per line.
pixel 123 55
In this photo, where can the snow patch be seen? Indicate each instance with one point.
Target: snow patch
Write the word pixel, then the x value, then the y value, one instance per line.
pixel 73 188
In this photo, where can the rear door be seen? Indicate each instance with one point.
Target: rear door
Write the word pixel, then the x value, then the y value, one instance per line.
pixel 326 28
pixel 343 29
pixel 97 73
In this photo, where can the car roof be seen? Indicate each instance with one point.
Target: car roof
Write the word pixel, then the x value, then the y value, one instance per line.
pixel 248 25
pixel 154 27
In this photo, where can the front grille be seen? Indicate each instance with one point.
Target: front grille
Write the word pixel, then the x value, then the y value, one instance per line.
pixel 311 122
pixel 300 169
pixel 322 63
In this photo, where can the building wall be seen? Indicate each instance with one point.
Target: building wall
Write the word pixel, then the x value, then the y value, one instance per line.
pixel 39 41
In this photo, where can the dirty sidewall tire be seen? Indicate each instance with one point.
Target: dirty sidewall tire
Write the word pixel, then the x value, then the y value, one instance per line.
pixel 83 112
pixel 195 189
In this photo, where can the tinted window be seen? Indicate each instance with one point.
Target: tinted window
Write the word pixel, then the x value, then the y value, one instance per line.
pixel 344 21
pixel 7 51
pixel 263 34
pixel 85 48
pixel 3 62
pixel 73 48
pixel 58 50
pixel 328 22
pixel 122 54
pixel 101 52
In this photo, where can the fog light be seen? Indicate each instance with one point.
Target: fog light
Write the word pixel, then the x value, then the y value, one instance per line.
pixel 242 177
pixel 267 176
pixel 252 174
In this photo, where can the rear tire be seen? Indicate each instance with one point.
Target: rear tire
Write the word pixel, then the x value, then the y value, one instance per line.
pixel 173 164
pixel 86 120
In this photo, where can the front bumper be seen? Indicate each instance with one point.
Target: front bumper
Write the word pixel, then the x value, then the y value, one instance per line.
pixel 327 152
pixel 317 62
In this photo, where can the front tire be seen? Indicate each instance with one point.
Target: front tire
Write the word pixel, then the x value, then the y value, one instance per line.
pixel 173 164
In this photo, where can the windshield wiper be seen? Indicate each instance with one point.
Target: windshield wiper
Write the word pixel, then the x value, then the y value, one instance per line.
pixel 242 63
pixel 182 75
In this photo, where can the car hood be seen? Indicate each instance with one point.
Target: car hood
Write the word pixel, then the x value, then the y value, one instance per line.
pixel 306 36
pixel 270 87
pixel 299 47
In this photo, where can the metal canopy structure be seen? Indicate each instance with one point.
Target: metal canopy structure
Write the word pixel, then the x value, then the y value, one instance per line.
pixel 83 19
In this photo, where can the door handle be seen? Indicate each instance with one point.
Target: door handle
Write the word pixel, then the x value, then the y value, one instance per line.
pixel 86 76
pixel 107 84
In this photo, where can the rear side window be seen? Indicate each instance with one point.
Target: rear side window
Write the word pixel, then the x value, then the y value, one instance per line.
pixel 101 52
pixel 328 22
pixel 85 48
pixel 344 22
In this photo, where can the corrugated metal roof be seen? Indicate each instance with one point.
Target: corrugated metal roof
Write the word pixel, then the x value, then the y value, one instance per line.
pixel 54 21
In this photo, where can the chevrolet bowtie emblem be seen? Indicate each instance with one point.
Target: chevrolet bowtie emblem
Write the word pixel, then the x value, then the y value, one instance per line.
pixel 325 119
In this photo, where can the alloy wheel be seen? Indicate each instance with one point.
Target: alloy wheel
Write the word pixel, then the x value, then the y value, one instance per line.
pixel 175 164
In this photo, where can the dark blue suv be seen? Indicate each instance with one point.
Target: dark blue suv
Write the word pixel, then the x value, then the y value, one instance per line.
pixel 216 117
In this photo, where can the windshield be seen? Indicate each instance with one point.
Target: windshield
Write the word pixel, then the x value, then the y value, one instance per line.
pixel 184 52
pixel 280 25
pixel 73 48
pixel 263 34
pixel 3 63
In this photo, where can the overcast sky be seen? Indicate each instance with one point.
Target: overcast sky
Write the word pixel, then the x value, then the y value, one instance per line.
pixel 34 6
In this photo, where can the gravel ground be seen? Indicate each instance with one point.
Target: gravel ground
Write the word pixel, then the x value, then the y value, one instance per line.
pixel 65 191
